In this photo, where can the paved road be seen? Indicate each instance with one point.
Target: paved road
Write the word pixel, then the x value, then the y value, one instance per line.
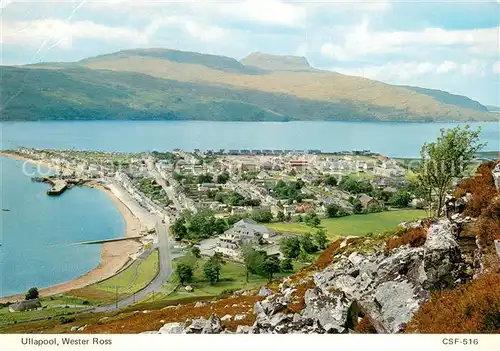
pixel 164 273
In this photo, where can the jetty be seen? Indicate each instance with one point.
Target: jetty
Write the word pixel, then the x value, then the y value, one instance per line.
pixel 59 185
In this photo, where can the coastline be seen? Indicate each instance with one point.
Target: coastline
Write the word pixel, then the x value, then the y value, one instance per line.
pixel 114 255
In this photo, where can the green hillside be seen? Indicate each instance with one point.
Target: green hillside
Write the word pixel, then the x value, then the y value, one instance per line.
pixel 447 98
pixel 158 84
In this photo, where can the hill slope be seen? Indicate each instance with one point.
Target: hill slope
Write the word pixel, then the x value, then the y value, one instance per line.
pixel 169 84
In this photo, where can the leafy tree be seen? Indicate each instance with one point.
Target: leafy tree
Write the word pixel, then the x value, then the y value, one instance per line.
pixel 400 199
pixel 220 226
pixel 253 260
pixel 286 265
pixel 223 178
pixel 32 294
pixel 270 266
pixel 195 251
pixel 357 206
pixel 236 218
pixel 304 257
pixel 312 219
pixel 307 244
pixel 300 218
pixel 280 216
pixel 211 270
pixel 353 186
pixel 290 247
pixel 179 228
pixel 445 159
pixel 332 210
pixel 331 180
pixel 321 239
pixel 205 178
pixel 184 273
pixel 262 216
pixel 288 217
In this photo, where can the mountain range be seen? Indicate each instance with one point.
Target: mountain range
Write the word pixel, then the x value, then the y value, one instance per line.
pixel 162 84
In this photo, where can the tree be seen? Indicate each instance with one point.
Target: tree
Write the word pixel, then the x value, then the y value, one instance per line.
pixel 320 239
pixel 357 206
pixel 290 247
pixel 300 218
pixel 253 260
pixel 211 270
pixel 32 294
pixel 223 178
pixel 179 228
pixel 205 178
pixel 312 219
pixel 262 216
pixel 331 180
pixel 400 199
pixel 195 251
pixel 184 273
pixel 307 244
pixel 332 210
pixel 288 217
pixel 270 266
pixel 280 217
pixel 445 159
pixel 286 265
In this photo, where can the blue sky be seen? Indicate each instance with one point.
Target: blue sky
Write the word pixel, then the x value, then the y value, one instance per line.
pixel 448 45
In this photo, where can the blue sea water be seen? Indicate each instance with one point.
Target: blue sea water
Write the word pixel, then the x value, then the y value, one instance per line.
pixel 35 231
pixel 388 138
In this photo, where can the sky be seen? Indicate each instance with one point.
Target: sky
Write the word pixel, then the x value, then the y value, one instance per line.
pixel 448 45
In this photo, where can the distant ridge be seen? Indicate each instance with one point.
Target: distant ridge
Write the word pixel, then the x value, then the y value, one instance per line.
pixel 447 98
pixel 164 84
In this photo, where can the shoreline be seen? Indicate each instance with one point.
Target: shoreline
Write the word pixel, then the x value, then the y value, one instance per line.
pixel 114 255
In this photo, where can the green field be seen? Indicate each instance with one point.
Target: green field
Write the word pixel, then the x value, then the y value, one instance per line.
pixel 132 279
pixel 233 277
pixel 355 224
pixel 52 307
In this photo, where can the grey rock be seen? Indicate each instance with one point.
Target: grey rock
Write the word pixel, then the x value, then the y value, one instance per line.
pixel 240 316
pixel 330 310
pixel 497 247
pixel 213 325
pixel 398 302
pixel 264 292
pixel 496 175
pixel 197 326
pixel 172 328
pixel 74 328
pixel 150 332
pixel 200 304
pixel 243 329
pixel 227 317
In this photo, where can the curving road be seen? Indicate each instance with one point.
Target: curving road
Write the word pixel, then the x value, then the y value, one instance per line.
pixel 164 273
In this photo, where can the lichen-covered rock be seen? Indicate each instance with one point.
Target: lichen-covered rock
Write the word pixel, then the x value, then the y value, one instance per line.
pixel 264 292
pixel 213 325
pixel 496 175
pixel 172 328
pixel 398 302
pixel 330 310
pixel 196 326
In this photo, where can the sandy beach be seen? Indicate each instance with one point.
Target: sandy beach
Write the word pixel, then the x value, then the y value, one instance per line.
pixel 114 255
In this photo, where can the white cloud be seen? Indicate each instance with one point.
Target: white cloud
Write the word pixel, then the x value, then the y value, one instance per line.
pixel 472 67
pixel 496 67
pixel 447 67
pixel 196 30
pixel 360 41
pixel 63 33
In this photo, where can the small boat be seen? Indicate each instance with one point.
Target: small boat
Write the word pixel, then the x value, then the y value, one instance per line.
pixel 5 209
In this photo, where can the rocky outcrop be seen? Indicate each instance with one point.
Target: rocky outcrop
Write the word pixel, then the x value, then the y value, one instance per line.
pixel 386 287
pixel 496 175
